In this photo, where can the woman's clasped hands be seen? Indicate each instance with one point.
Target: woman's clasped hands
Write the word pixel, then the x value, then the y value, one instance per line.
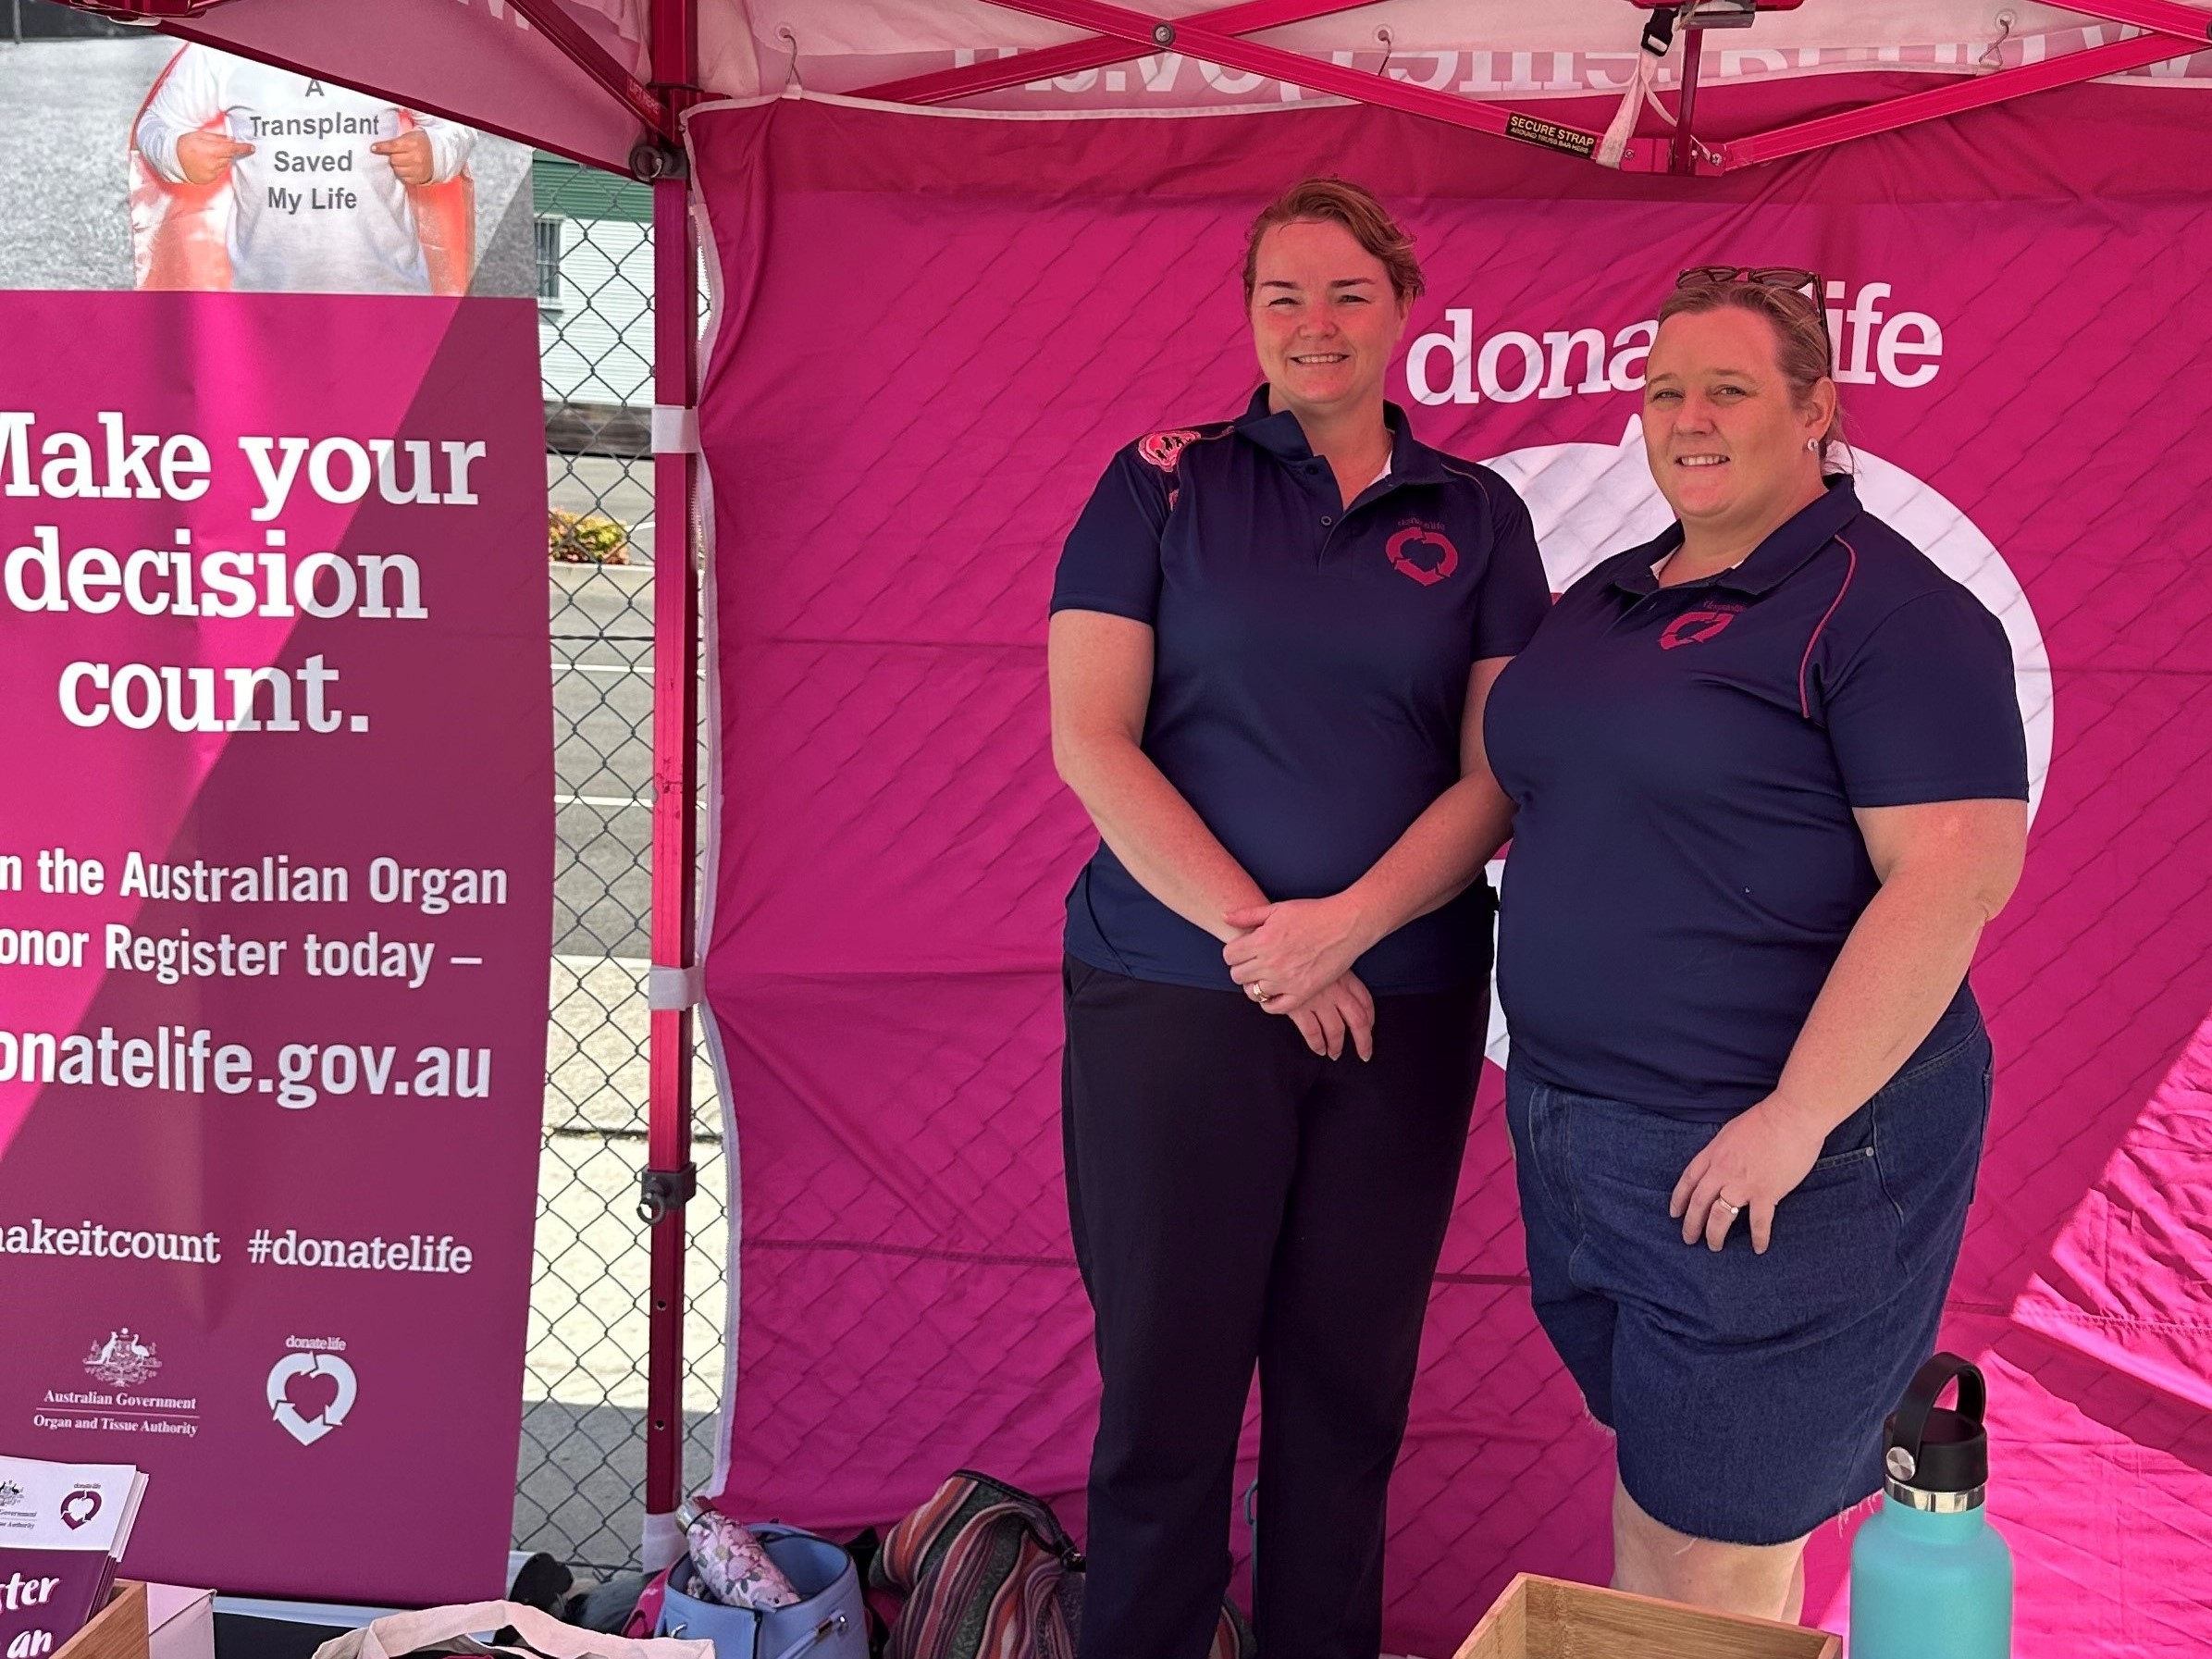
pixel 1294 958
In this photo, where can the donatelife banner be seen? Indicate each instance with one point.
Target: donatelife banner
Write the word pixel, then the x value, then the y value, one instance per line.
pixel 275 915
pixel 2021 302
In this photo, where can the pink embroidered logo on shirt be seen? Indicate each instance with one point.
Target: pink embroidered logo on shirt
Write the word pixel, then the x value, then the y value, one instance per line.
pixel 1160 449
pixel 1695 627
pixel 1423 552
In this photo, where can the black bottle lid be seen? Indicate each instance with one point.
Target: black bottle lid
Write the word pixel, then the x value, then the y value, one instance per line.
pixel 1935 1450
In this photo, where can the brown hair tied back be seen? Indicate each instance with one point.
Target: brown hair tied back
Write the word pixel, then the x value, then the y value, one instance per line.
pixel 1351 206
pixel 1799 324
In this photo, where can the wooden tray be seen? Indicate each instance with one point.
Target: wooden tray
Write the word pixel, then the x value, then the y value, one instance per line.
pixel 117 1631
pixel 1549 1618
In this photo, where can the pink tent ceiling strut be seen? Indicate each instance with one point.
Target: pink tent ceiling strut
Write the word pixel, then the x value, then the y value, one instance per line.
pixel 943 86
pixel 2174 31
pixel 553 20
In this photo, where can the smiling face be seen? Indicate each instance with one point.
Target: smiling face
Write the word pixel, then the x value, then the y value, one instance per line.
pixel 1733 449
pixel 1324 319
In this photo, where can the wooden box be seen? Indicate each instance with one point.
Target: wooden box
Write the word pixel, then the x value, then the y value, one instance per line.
pixel 118 1630
pixel 1549 1618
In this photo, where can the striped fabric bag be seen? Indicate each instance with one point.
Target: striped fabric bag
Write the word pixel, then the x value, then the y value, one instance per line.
pixel 987 1573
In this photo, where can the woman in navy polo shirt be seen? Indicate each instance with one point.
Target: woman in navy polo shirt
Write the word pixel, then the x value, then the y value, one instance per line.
pixel 1771 785
pixel 1271 641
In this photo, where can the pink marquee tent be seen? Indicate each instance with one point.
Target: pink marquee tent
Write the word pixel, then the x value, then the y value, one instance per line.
pixel 924 217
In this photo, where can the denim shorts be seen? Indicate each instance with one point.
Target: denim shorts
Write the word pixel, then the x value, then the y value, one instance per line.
pixel 1746 1392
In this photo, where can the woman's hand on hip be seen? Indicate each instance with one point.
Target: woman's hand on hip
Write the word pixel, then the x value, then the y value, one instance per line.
pixel 1756 1161
pixel 1293 951
pixel 1345 1009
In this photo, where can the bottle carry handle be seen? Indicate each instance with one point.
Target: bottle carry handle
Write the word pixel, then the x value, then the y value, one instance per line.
pixel 1927 1385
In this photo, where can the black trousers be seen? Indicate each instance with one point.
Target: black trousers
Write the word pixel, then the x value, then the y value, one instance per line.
pixel 1238 1199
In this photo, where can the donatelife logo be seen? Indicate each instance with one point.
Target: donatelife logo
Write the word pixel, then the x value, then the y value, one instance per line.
pixel 1423 552
pixel 310 1394
pixel 1695 627
pixel 1449 366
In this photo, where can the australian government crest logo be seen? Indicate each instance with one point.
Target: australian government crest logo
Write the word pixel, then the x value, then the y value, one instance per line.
pixel 11 1496
pixel 124 1360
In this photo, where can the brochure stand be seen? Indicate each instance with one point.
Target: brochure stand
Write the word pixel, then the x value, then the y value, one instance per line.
pixel 1549 1618
pixel 117 1631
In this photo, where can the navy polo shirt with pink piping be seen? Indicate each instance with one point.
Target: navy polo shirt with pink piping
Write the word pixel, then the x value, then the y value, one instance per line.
pixel 1685 763
pixel 1310 667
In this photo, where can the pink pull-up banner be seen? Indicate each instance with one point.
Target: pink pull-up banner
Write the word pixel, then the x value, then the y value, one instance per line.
pixel 275 911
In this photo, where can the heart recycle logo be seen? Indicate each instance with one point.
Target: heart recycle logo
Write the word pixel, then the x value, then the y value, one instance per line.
pixel 310 1394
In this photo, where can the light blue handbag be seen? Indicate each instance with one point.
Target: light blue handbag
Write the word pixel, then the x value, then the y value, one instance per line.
pixel 828 1621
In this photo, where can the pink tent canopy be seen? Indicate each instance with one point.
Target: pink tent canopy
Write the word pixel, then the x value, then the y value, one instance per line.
pixel 2100 1251
pixel 577 76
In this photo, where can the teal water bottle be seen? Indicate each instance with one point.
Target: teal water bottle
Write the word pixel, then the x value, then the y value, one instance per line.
pixel 1931 1578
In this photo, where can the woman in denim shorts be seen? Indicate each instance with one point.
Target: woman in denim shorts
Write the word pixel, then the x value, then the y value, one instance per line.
pixel 1771 785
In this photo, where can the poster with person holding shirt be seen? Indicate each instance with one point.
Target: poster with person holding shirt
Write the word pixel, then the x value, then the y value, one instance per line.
pixel 248 177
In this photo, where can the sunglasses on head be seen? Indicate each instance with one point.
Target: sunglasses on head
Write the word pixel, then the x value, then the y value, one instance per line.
pixel 1790 278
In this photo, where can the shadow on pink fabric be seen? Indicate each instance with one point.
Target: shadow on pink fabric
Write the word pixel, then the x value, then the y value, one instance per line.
pixel 937 327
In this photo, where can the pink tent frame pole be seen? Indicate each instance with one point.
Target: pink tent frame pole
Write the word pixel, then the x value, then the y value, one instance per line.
pixel 676 777
pixel 942 86
pixel 553 21
pixel 2185 22
pixel 1938 102
pixel 1201 41
pixel 1682 156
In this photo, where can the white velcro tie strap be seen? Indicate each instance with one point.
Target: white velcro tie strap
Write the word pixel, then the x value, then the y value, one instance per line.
pixel 667 988
pixel 663 1542
pixel 1640 95
pixel 675 429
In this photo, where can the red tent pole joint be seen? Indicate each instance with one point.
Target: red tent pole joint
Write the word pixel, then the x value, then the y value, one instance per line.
pixel 669 1178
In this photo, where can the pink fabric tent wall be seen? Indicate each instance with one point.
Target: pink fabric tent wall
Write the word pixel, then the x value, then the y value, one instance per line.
pixel 928 348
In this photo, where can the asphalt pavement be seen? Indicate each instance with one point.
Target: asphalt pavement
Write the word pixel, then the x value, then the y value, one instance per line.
pixel 66 109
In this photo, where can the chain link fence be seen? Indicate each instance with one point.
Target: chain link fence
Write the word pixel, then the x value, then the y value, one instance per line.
pixel 580 1482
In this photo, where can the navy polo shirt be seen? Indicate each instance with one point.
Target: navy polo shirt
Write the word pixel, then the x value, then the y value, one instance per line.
pixel 1685 761
pixel 1310 667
